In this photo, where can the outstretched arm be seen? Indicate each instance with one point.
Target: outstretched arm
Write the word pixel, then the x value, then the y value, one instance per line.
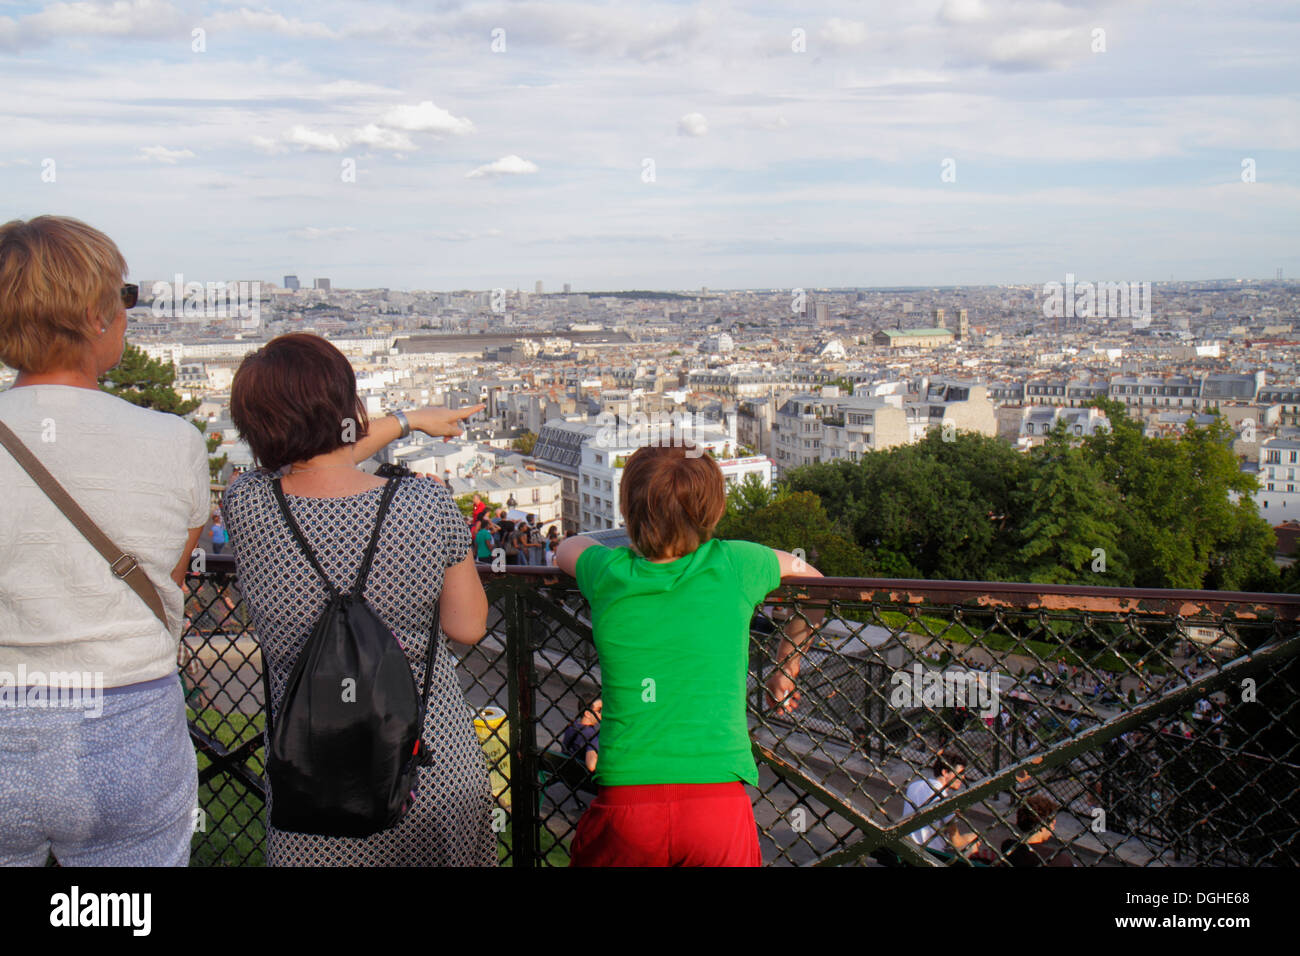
pixel 439 422
pixel 566 555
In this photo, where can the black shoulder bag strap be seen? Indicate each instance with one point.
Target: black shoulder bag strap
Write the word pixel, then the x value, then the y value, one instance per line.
pixel 390 488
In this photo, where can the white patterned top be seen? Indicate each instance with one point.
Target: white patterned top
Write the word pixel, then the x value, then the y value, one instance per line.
pixel 142 476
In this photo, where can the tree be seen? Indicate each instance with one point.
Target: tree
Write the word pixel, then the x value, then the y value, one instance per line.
pixel 937 509
pixel 1181 527
pixel 146 382
pixel 798 521
pixel 525 443
pixel 744 500
pixel 1069 523
pixel 215 464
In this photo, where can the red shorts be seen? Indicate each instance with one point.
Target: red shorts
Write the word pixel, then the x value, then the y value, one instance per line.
pixel 669 824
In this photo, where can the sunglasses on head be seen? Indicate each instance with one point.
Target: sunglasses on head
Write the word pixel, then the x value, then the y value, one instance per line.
pixel 130 295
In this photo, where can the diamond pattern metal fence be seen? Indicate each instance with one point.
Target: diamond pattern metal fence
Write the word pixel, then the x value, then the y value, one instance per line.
pixel 937 723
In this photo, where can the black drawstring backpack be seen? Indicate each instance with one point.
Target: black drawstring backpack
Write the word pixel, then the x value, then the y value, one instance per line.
pixel 344 754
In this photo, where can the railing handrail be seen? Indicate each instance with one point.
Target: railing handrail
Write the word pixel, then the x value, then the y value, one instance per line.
pixel 986 594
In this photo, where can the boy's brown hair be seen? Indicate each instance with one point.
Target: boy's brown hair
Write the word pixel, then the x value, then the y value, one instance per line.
pixel 670 501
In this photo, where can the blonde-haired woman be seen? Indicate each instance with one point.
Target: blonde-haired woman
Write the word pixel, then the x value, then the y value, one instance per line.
pixel 103 771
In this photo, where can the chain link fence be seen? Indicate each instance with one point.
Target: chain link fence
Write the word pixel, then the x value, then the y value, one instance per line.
pixel 937 723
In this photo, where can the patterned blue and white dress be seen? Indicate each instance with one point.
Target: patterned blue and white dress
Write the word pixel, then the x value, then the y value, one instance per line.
pixel 423 535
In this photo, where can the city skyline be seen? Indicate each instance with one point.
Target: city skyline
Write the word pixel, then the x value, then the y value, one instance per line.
pixel 954 143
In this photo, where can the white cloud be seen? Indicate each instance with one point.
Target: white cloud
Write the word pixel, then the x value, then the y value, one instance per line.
pixel 426 118
pixel 164 155
pixel 318 232
pixel 466 235
pixel 355 88
pixel 963 11
pixel 268 145
pixel 267 21
pixel 505 166
pixel 840 34
pixel 1038 49
pixel 380 138
pixel 134 18
pixel 692 124
pixel 313 140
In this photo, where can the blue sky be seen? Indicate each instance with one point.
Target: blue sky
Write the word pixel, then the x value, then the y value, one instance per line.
pixel 773 167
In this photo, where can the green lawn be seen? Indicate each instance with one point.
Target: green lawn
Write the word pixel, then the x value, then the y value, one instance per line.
pixel 555 852
pixel 946 630
pixel 233 832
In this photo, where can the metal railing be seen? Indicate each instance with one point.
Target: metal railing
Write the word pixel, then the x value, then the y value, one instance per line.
pixel 1128 727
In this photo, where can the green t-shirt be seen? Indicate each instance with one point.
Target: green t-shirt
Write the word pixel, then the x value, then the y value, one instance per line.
pixel 483 543
pixel 673 641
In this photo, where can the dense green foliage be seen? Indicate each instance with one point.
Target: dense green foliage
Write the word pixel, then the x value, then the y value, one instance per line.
pixel 1117 508
pixel 525 443
pixel 146 382
pixel 789 521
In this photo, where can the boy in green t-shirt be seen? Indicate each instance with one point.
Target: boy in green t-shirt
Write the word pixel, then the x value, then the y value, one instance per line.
pixel 670 617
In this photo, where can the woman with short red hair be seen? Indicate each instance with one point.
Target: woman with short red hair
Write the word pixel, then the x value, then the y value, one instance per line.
pixel 295 402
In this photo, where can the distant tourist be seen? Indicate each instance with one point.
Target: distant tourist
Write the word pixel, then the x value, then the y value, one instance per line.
pixel 483 543
pixel 1035 846
pixel 671 620
pixel 944 835
pixel 219 536
pixel 119 789
pixel 287 400
pixel 581 739
pixel 505 537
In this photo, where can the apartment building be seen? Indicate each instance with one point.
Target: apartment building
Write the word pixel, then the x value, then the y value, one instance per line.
pixel 812 428
pixel 559 450
pixel 1279 477
pixel 862 424
pixel 1036 423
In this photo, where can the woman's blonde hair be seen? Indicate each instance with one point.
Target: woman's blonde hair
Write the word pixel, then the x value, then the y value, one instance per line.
pixel 52 269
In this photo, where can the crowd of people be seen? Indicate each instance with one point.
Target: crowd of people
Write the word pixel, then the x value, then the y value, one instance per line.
pixel 1032 842
pixel 522 540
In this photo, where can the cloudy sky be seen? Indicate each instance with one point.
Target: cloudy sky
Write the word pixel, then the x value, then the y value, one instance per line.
pixel 662 145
